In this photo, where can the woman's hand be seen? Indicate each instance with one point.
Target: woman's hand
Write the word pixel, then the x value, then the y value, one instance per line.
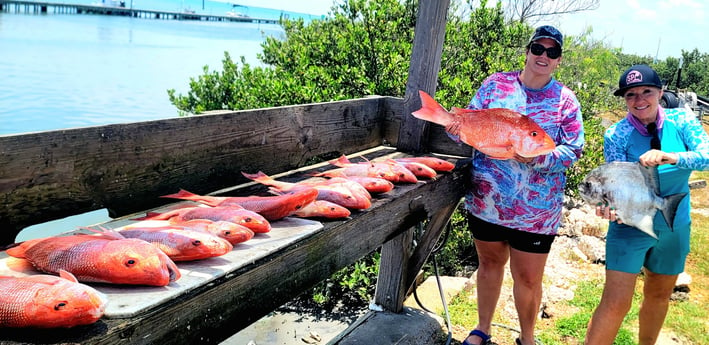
pixel 654 158
pixel 607 212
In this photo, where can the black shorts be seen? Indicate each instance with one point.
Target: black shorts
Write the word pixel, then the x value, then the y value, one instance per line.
pixel 517 239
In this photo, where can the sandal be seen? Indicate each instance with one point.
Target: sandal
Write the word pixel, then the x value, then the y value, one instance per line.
pixel 485 337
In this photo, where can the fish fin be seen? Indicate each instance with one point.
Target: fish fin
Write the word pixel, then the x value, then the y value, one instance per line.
pixel 652 176
pixel 106 232
pixel 68 276
pixel 371 163
pixel 258 177
pixel 454 128
pixel 497 152
pixel 276 191
pixel 340 162
pixel 182 194
pixel 646 225
pixel 432 111
pixel 669 208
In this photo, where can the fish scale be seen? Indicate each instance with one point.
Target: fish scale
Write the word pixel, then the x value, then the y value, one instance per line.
pixel 105 259
pixel 44 301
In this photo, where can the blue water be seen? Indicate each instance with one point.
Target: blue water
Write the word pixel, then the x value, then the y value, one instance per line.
pixel 67 70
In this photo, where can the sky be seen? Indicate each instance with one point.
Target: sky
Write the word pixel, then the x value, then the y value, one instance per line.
pixel 656 28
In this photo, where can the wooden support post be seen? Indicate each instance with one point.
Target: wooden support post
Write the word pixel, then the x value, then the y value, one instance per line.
pixel 400 261
pixel 423 74
pixel 391 286
pixel 423 71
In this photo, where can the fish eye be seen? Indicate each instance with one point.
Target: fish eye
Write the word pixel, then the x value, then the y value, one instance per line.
pixel 60 306
pixel 534 133
pixel 227 233
pixel 130 262
pixel 196 243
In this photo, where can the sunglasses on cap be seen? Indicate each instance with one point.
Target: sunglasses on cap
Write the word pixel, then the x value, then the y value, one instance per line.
pixel 538 49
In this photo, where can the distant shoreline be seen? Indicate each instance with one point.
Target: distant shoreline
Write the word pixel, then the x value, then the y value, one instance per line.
pixel 184 10
pixel 116 8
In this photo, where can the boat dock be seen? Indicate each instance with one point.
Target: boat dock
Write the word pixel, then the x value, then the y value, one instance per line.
pixel 39 7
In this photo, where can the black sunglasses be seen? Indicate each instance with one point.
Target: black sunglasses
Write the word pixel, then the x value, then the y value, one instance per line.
pixel 538 49
pixel 655 140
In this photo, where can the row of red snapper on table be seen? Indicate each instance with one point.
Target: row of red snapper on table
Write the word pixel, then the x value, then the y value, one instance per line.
pixel 146 254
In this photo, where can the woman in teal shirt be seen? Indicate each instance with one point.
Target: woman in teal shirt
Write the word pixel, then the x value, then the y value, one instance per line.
pixel 674 141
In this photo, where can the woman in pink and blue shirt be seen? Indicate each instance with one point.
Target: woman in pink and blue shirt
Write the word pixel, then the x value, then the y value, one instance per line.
pixel 515 205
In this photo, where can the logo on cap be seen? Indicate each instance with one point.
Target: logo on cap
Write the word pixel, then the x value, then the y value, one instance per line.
pixel 633 77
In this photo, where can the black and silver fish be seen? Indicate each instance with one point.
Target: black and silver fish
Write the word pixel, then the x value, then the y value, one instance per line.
pixel 633 190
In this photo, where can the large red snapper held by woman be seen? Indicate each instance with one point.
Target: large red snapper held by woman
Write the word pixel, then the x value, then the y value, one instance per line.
pixel 107 258
pixel 46 301
pixel 497 132
pixel 270 207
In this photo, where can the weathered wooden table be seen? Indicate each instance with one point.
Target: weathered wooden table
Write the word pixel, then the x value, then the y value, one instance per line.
pixel 217 297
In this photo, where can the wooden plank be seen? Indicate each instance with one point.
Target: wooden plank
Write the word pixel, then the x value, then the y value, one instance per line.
pixel 425 63
pixel 211 313
pixel 125 167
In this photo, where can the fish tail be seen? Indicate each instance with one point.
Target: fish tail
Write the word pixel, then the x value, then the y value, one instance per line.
pixel 432 111
pixel 182 194
pixel 152 216
pixel 105 232
pixel 341 161
pixel 669 210
pixel 258 177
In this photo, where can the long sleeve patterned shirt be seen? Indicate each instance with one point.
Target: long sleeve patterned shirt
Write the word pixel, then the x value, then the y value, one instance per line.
pixel 526 197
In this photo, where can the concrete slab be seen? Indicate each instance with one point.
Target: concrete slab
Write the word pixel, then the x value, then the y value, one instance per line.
pixel 429 294
pixel 410 327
